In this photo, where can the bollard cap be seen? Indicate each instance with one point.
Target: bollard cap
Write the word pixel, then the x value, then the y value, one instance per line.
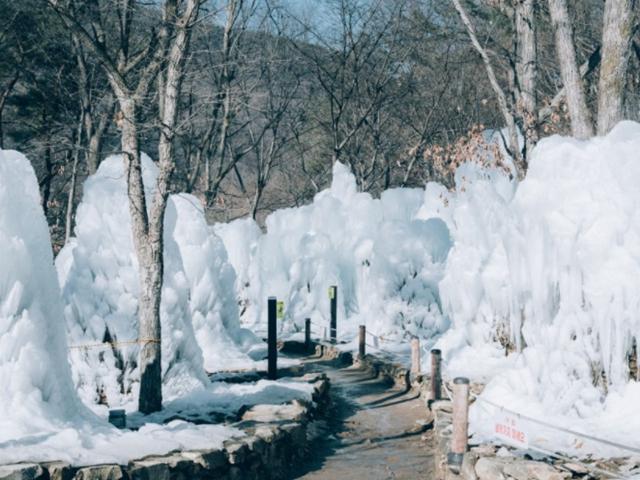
pixel 273 299
pixel 461 381
pixel 436 351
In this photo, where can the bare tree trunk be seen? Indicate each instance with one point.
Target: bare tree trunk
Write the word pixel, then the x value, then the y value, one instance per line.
pixel 514 147
pixel 616 42
pixel 581 123
pixel 150 265
pixel 68 224
pixel 3 101
pixel 527 71
pixel 96 136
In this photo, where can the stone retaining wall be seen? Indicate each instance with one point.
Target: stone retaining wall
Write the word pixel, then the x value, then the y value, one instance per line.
pixel 267 452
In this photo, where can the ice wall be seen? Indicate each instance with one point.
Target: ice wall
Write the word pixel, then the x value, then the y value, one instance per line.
pixel 385 260
pixel 552 273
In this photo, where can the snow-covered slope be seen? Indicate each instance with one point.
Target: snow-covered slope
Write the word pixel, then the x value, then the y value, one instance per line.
pixel 36 391
pixel 385 261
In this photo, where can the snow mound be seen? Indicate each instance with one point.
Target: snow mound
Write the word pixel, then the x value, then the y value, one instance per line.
pixel 385 260
pixel 98 271
pixel 552 272
pixel 36 391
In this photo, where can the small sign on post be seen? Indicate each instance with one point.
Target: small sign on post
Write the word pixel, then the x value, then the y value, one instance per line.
pixel 511 430
pixel 280 311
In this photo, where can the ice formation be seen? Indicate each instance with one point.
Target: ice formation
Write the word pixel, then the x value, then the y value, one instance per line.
pixel 36 391
pixel 385 260
pixel 551 271
pixel 211 281
pixel 99 277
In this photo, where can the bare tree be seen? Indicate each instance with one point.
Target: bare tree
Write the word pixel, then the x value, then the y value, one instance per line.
pixel 514 145
pixel 527 71
pixel 354 67
pixel 166 48
pixel 581 122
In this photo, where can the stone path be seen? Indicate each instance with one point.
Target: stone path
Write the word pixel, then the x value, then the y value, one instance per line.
pixel 374 431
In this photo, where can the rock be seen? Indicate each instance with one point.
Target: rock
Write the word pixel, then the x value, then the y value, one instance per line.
pixel 21 471
pixel 100 472
pixel 167 467
pixel 59 470
pixel 237 452
pixel 210 460
pixel 576 468
pixel 275 413
pixel 530 470
pixel 266 432
pixel 490 468
pixel 297 432
pixel 484 450
pixel 467 471
pixel 150 471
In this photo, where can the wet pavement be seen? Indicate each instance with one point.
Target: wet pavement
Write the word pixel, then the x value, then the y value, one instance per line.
pixel 373 431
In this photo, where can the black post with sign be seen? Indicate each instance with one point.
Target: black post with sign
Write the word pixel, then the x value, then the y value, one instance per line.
pixel 272 347
pixel 333 295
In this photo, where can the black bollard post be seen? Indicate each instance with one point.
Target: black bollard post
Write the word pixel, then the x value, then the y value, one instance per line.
pixel 333 295
pixel 272 348
pixel 362 340
pixel 307 334
pixel 436 376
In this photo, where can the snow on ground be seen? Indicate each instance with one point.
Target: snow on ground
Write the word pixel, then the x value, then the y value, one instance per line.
pixel 385 261
pixel 550 270
pixel 91 446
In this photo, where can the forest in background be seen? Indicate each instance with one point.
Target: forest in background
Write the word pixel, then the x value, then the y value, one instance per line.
pixel 272 97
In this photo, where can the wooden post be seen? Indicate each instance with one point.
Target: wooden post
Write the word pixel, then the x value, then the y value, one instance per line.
pixel 436 377
pixel 361 341
pixel 307 333
pixel 460 423
pixel 333 327
pixel 415 355
pixel 272 348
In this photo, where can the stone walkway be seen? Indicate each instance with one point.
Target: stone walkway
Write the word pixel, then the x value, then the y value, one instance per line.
pixel 374 431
